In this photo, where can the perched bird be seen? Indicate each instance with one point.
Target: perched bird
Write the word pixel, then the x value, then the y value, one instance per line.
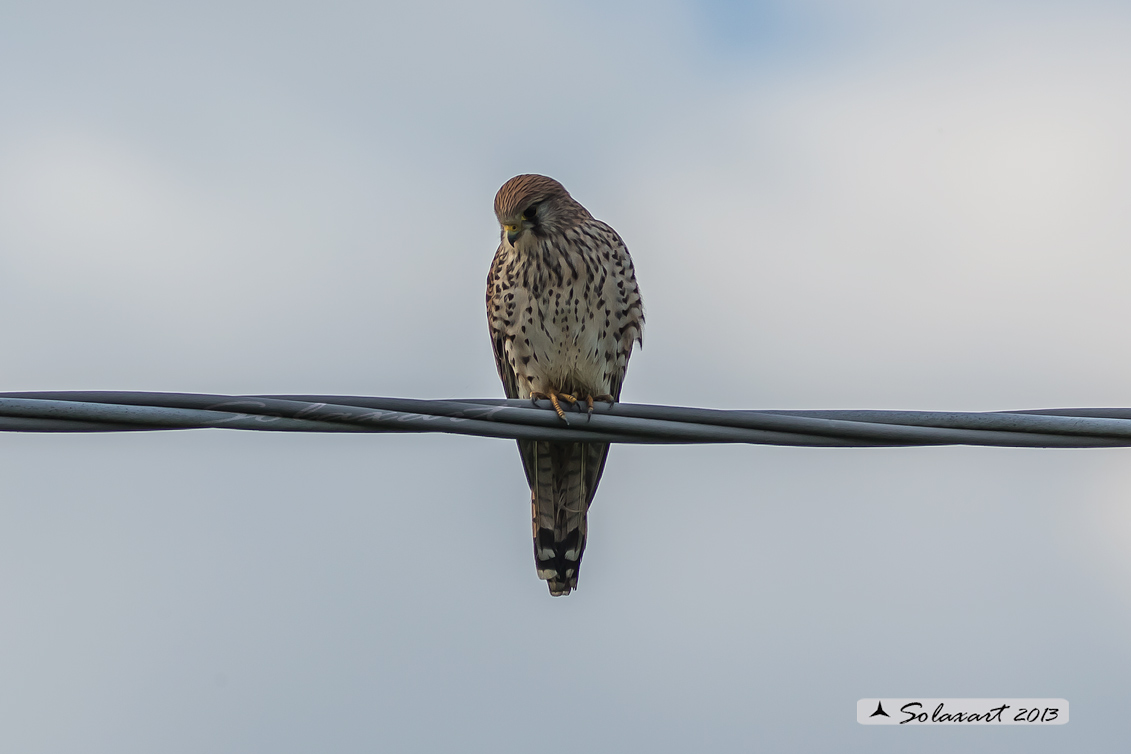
pixel 563 309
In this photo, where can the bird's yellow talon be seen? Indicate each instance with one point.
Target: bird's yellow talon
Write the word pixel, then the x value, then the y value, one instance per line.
pixel 554 398
pixel 558 407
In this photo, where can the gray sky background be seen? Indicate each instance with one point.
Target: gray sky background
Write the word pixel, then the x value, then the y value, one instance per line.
pixel 830 205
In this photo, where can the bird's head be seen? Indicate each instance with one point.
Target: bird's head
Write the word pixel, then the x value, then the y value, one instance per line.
pixel 535 205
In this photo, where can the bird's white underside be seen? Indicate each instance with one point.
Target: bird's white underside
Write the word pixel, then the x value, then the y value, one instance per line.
pixel 566 349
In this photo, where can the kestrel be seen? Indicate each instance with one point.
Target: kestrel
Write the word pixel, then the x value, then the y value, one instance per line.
pixel 564 309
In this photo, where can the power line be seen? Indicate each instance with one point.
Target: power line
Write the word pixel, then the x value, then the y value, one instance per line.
pixel 518 419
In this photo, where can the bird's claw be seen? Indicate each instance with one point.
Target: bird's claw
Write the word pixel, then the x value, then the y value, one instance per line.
pixel 589 399
pixel 554 398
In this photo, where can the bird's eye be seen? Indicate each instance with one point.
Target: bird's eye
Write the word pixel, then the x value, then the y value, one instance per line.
pixel 530 212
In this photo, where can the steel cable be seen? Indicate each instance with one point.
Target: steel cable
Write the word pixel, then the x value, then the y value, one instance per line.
pixel 102 411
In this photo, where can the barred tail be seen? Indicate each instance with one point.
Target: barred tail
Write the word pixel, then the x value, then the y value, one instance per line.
pixel 563 478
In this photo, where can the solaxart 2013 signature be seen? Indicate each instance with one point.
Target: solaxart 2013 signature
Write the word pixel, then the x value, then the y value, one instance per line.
pixel 914 713
pixel 917 711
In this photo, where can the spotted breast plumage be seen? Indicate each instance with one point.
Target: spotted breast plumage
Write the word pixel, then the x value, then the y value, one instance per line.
pixel 564 311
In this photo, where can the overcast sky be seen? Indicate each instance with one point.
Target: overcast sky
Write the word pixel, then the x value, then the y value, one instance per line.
pixel 829 204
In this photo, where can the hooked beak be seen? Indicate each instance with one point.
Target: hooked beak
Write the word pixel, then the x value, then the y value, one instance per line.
pixel 513 232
